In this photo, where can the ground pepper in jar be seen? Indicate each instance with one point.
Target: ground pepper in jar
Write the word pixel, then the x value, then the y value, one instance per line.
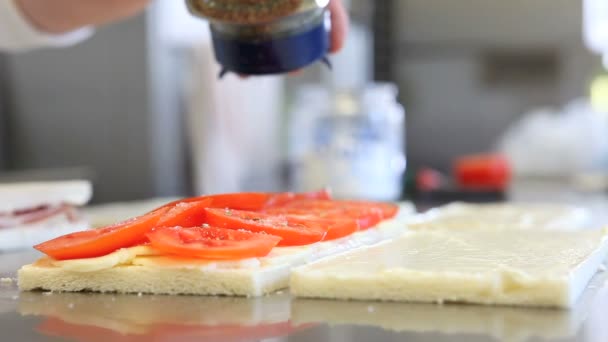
pixel 246 11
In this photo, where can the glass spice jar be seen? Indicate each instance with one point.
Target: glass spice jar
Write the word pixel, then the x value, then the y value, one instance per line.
pixel 266 37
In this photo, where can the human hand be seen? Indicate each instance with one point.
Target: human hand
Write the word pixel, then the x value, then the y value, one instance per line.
pixel 340 22
pixel 61 16
pixel 339 28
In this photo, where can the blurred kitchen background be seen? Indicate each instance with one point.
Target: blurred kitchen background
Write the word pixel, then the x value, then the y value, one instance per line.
pixel 138 108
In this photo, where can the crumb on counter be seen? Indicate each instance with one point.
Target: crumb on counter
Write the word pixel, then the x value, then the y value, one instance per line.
pixel 6 280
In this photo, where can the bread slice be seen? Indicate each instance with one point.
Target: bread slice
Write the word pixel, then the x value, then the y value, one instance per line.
pixel 509 267
pixel 505 215
pixel 129 271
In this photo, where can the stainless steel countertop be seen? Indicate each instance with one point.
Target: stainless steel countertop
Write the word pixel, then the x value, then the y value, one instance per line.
pixel 108 317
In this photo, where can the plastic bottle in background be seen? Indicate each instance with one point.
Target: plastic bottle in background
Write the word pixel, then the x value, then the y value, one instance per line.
pixel 310 102
pixel 359 151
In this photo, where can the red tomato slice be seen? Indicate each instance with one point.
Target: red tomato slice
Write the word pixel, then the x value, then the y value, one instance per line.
pixel 367 214
pixel 292 233
pixel 211 242
pixel 281 199
pixel 386 210
pixel 185 214
pixel 98 242
pixel 252 200
pixel 335 227
pixel 239 201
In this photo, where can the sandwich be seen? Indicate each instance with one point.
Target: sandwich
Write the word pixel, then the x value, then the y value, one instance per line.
pixel 242 244
pixel 31 213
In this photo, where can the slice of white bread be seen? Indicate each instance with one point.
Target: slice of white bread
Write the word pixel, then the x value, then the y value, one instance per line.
pixel 460 215
pixel 509 266
pixel 162 275
pixel 20 196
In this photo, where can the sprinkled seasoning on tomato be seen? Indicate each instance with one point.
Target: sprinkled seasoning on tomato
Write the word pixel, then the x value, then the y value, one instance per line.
pixel 211 243
pixel 99 242
pixel 292 233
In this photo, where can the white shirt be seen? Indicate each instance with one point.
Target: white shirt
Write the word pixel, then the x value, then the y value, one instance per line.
pixel 17 34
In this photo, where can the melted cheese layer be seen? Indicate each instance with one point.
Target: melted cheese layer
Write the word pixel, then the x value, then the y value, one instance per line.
pixel 146 256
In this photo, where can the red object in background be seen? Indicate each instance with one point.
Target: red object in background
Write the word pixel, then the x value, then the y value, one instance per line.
pixel 428 179
pixel 482 172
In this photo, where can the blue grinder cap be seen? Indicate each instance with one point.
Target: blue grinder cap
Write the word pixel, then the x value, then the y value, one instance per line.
pixel 271 55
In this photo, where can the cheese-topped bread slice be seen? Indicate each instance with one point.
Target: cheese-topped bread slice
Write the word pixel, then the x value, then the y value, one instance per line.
pixel 510 266
pixel 142 270
pixel 504 215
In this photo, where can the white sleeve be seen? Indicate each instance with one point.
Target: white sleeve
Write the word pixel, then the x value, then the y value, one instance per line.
pixel 17 34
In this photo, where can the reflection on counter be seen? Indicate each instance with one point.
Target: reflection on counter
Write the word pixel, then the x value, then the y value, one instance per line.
pixel 108 317
pixel 501 322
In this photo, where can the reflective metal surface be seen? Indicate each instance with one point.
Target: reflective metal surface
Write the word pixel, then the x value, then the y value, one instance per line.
pixel 109 317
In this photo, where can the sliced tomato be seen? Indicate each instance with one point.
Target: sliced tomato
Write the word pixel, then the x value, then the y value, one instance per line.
pixel 212 242
pixel 185 214
pixel 335 228
pixel 239 201
pixel 386 210
pixel 367 214
pixel 280 199
pixel 253 200
pixel 292 233
pixel 98 242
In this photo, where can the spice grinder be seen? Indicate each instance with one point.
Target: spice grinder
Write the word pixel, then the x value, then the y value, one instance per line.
pixel 263 37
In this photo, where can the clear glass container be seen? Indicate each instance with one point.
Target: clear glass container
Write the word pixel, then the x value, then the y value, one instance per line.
pixel 359 149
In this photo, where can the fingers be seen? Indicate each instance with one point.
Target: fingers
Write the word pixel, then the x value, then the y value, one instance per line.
pixel 60 16
pixel 340 22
